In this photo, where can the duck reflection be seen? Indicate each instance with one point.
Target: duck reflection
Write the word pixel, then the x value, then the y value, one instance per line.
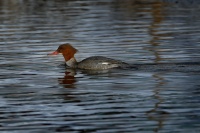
pixel 69 79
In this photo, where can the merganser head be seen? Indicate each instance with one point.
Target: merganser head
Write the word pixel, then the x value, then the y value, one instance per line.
pixel 67 50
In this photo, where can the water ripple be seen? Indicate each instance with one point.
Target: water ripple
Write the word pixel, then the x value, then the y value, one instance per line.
pixel 38 94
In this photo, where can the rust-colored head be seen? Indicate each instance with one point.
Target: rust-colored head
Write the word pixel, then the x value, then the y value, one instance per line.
pixel 67 50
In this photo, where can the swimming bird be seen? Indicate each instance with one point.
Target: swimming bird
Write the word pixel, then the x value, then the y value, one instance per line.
pixel 91 63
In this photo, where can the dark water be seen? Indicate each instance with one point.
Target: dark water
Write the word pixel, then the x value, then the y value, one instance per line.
pixel 37 94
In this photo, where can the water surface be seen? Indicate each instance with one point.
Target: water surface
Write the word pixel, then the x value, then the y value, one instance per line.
pixel 38 94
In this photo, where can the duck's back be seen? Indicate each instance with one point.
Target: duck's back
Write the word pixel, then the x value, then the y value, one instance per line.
pixel 100 62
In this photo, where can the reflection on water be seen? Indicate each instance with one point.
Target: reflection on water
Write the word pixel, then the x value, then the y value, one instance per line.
pixel 68 80
pixel 38 94
pixel 157 113
pixel 158 16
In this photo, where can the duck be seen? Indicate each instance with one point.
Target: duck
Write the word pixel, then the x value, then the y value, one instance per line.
pixel 90 63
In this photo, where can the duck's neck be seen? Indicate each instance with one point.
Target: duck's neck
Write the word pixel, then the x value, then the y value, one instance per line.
pixel 72 63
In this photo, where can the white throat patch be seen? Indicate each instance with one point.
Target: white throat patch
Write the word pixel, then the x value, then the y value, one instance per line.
pixel 71 63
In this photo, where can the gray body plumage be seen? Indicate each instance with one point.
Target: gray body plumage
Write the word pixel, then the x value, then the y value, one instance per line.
pixel 100 62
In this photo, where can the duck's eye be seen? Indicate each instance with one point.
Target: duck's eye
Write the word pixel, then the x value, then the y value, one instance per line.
pixel 59 49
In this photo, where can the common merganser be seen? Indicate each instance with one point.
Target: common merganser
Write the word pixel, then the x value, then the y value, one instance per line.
pixel 92 63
